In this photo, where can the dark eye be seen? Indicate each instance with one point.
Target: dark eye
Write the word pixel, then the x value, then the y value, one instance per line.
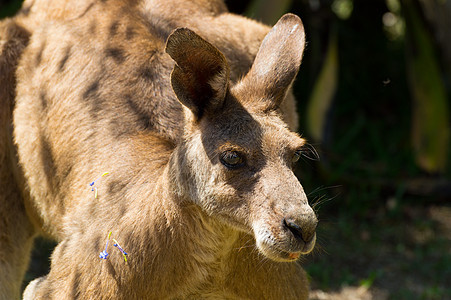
pixel 231 159
pixel 296 156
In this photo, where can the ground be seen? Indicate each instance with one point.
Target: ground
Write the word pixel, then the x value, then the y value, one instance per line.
pixel 392 255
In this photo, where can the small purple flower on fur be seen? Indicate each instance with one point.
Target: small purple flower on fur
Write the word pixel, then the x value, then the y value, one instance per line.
pixel 103 254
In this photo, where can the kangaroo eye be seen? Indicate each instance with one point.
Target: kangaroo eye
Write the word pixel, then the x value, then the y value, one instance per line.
pixel 231 159
pixel 296 156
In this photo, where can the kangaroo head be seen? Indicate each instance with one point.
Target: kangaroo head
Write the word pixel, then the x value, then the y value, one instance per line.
pixel 235 159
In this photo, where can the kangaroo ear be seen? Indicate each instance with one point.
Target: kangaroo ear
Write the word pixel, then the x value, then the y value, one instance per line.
pixel 277 62
pixel 201 74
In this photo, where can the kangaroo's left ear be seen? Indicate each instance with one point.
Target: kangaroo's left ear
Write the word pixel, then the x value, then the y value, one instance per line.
pixel 277 62
pixel 201 74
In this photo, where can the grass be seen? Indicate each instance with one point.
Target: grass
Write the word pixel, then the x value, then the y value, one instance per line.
pixel 368 238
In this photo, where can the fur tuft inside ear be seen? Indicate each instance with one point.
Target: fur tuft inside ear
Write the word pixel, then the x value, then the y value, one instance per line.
pixel 201 74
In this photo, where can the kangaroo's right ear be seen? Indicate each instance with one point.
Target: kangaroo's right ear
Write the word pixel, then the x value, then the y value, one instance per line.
pixel 276 63
pixel 201 74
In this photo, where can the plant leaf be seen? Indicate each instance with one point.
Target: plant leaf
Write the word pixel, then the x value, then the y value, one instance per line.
pixel 323 92
pixel 430 120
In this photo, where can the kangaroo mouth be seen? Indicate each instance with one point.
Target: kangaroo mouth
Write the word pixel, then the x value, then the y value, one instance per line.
pixel 283 248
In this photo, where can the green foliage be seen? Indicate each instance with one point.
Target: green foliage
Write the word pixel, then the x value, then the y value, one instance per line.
pixel 323 92
pixel 430 130
pixel 9 8
pixel 268 11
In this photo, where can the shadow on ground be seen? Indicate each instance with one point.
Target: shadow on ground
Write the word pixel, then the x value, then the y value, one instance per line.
pixel 395 253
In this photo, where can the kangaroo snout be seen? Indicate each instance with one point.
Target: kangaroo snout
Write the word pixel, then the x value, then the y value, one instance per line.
pixel 302 230
pixel 301 223
pixel 293 235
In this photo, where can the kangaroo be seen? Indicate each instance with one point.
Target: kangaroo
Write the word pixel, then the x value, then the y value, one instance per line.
pixel 237 37
pixel 200 191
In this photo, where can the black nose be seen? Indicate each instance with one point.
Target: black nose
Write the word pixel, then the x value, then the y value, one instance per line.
pixel 306 234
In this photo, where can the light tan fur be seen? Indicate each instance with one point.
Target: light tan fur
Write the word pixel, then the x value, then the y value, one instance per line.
pixel 112 86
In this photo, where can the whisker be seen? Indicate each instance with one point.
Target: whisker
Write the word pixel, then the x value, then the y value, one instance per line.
pixel 323 188
pixel 310 152
pixel 262 262
pixel 320 200
pixel 245 245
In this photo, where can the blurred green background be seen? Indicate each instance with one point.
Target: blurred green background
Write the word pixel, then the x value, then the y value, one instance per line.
pixel 373 96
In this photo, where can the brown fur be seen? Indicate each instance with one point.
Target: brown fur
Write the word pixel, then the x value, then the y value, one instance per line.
pixel 15 241
pixel 94 94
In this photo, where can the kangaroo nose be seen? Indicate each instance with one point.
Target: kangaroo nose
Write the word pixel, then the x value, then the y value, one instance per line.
pixel 304 232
